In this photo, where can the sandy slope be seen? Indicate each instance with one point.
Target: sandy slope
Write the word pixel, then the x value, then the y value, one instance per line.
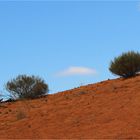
pixel 109 109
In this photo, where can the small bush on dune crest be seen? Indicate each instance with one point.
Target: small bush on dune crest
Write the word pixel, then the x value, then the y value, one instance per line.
pixel 126 65
pixel 1 99
pixel 27 87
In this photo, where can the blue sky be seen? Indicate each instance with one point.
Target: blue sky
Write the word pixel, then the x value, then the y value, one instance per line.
pixel 66 43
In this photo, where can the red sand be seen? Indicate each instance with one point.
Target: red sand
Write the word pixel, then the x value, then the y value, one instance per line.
pixel 106 110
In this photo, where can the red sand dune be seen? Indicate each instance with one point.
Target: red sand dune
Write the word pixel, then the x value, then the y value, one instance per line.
pixel 106 110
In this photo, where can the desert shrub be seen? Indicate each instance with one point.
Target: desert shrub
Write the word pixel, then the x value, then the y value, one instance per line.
pixel 1 100
pixel 126 65
pixel 27 87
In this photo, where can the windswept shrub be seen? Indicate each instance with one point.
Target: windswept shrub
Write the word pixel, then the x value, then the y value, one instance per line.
pixel 126 65
pixel 27 87
pixel 1 99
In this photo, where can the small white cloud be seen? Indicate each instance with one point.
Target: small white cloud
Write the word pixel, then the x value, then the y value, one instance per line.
pixel 77 71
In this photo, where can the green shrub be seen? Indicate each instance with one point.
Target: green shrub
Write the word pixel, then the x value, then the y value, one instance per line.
pixel 27 87
pixel 1 99
pixel 126 65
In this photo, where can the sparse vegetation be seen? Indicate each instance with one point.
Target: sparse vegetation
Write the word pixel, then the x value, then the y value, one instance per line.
pixel 27 87
pixel 1 100
pixel 126 65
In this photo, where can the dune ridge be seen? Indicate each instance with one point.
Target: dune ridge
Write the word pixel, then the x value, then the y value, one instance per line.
pixel 105 110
